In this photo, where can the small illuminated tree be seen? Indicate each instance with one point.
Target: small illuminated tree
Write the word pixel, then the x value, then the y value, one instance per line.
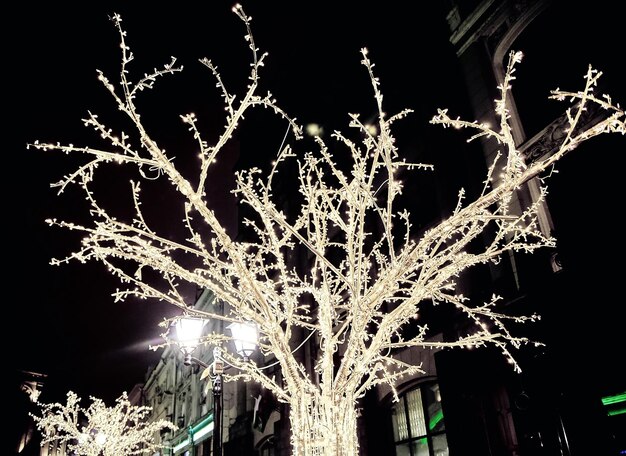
pixel 361 290
pixel 121 430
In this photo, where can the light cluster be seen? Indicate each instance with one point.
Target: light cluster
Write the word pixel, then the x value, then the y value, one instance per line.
pixel 98 430
pixel 368 269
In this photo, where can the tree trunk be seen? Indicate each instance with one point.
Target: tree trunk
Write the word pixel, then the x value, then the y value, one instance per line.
pixel 324 426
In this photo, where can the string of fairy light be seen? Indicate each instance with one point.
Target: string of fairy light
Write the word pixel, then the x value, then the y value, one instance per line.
pixel 370 271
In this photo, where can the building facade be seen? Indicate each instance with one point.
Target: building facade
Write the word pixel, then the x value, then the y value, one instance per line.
pixel 23 390
pixel 178 393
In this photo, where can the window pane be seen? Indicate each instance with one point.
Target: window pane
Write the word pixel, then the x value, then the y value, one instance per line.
pixel 432 398
pixel 420 447
pixel 398 416
pixel 416 413
pixel 403 450
pixel 440 445
pixel 267 451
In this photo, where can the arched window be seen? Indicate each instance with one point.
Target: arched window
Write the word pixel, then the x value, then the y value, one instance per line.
pixel 266 446
pixel 418 426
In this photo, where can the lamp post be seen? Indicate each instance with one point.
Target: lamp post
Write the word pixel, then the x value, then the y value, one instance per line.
pixel 245 337
pixel 218 370
pixel 189 332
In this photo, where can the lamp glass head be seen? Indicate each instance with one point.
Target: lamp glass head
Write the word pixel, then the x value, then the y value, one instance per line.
pixel 245 337
pixel 188 332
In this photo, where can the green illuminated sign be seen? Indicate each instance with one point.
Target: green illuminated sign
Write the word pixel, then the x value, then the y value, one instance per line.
pixel 616 412
pixel 615 399
pixel 201 424
pixel 435 419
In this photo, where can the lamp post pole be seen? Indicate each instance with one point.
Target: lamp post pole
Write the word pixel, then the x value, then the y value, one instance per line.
pixel 218 370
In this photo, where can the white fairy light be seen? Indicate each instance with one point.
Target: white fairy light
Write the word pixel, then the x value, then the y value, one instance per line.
pixel 361 290
pixel 99 430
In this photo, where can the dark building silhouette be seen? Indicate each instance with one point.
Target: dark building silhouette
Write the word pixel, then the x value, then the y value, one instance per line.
pixel 554 407
pixel 22 389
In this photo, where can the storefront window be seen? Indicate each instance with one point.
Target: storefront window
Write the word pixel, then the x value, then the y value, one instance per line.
pixel 418 426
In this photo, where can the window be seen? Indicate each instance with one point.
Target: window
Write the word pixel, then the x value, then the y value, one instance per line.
pixel 204 448
pixel 418 427
pixel 266 447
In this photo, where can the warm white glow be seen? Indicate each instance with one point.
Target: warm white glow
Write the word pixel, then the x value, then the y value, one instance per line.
pixel 100 439
pixel 189 332
pixel 369 269
pixel 313 129
pixel 245 338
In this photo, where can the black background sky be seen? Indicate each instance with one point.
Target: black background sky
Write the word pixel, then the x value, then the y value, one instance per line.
pixel 70 328
pixel 62 320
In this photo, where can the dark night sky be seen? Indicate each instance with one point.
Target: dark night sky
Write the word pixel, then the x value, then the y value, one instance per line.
pixel 71 329
pixel 66 322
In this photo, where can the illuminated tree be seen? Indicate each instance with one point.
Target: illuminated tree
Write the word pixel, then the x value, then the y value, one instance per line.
pixel 121 430
pixel 369 270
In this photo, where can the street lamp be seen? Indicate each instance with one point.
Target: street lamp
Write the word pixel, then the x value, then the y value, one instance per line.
pixel 91 437
pixel 189 331
pixel 245 337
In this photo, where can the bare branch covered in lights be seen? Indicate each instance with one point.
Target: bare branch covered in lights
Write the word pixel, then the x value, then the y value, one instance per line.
pixel 370 271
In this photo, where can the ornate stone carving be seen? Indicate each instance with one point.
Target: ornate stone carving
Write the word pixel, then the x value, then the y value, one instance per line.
pixel 547 141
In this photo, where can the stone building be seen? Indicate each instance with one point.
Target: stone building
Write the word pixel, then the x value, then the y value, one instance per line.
pixel 177 392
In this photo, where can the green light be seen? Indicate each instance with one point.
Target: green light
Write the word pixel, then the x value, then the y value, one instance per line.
pixel 616 399
pixel 201 424
pixel 197 436
pixel 616 412
pixel 435 419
